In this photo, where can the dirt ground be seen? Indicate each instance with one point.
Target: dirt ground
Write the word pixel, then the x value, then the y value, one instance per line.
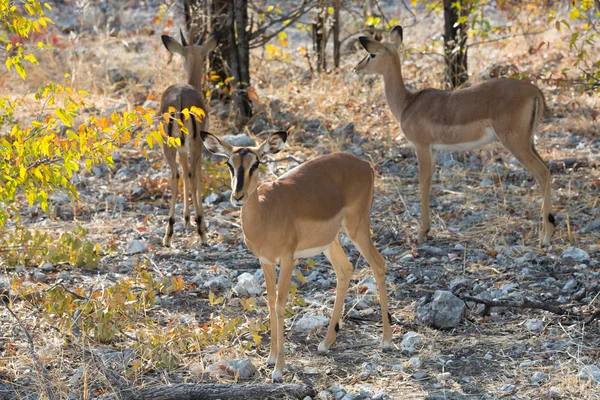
pixel 484 238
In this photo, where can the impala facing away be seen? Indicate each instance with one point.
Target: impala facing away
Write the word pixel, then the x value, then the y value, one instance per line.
pixel 504 110
pixel 300 215
pixel 180 97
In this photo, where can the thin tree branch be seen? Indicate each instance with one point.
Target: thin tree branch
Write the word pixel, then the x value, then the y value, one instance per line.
pixel 525 303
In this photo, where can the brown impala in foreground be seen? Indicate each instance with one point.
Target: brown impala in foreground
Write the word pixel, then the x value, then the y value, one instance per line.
pixel 300 215
pixel 505 110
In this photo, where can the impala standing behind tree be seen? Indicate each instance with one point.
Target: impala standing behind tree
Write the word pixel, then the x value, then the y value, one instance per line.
pixel 300 215
pixel 505 110
pixel 180 97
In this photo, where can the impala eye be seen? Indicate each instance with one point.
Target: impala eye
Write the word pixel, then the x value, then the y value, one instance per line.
pixel 372 56
pixel 254 166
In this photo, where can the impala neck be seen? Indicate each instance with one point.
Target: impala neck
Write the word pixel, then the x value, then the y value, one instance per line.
pixel 395 91
pixel 195 76
pixel 251 204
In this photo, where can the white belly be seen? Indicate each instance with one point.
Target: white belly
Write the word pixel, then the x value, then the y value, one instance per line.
pixel 488 137
pixel 310 252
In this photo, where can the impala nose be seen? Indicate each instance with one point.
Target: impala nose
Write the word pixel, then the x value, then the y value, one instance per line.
pixel 237 200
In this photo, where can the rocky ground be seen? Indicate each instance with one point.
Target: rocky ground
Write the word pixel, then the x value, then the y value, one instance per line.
pixel 485 210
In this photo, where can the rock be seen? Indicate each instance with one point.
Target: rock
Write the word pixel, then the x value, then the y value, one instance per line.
pixel 350 396
pixel 247 285
pixel 458 284
pixel 507 387
pixel 434 251
pixel 592 226
pixel 420 375
pixel 443 377
pixel 311 371
pixel 211 198
pixel 534 325
pixel 47 267
pixel 151 105
pixel 576 254
pixel 315 126
pixel 590 372
pixel 39 276
pixel 411 339
pixel 415 362
pixel 261 125
pixel 570 286
pixel 407 258
pixel 380 395
pixel 486 182
pixel 344 130
pixel 444 311
pixel 539 377
pixel 244 369
pixel 398 367
pixel 218 283
pixel 239 140
pixel 310 323
pixel 136 246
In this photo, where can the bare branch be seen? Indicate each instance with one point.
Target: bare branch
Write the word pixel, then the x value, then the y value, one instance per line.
pixel 525 303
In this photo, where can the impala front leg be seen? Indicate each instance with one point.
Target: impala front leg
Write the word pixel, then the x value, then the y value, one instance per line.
pixel 283 287
pixel 270 280
pixel 425 161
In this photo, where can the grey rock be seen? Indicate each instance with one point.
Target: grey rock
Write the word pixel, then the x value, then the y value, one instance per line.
pixel 407 258
pixel 380 395
pixel 444 311
pixel 434 251
pixel 136 246
pixel 507 387
pixel 534 325
pixel 398 367
pixel 592 226
pixel 243 368
pixel 315 126
pixel 261 125
pixel 239 140
pixel 247 285
pixel 570 286
pixel 486 182
pixel 310 323
pixel 539 377
pixel 443 377
pixel 350 396
pixel 420 375
pixel 218 283
pixel 590 372
pixel 459 284
pixel 39 276
pixel 211 198
pixel 576 254
pixel 411 339
pixel 345 130
pixel 47 267
pixel 415 362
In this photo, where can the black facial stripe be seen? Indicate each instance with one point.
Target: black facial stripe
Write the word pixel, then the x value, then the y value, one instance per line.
pixel 240 179
pixel 242 152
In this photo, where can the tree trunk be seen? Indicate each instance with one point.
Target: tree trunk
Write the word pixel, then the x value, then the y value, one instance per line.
pixel 337 4
pixel 185 391
pixel 239 60
pixel 455 43
pixel 195 12
pixel 319 34
pixel 218 23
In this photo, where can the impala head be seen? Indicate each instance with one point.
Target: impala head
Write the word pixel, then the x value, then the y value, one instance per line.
pixel 380 54
pixel 243 162
pixel 194 53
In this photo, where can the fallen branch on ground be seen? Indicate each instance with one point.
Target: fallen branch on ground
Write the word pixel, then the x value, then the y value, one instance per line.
pixel 525 303
pixel 189 391
pixel 575 163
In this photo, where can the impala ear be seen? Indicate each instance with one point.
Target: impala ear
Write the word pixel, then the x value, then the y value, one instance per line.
pixel 172 45
pixel 212 41
pixel 273 144
pixel 372 46
pixel 396 36
pixel 215 145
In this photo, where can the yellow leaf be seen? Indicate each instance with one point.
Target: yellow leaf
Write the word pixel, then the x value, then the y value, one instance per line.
pixel 186 114
pixel 62 116
pixel 299 276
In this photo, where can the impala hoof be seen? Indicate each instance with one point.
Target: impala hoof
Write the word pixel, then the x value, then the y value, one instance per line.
pixel 166 243
pixel 271 361
pixel 323 348
pixel 277 377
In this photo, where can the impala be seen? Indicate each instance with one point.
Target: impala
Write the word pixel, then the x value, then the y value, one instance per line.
pixel 180 97
pixel 504 110
pixel 300 215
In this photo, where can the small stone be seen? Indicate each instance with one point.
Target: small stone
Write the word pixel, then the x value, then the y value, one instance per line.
pixel 309 323
pixel 407 258
pixel 508 388
pixel 39 277
pixel 211 198
pixel 590 372
pixel 486 182
pixel 570 286
pixel 350 396
pixel 136 246
pixel 420 375
pixel 218 283
pixel 397 368
pixel 534 325
pixel 488 356
pixel 539 377
pixel 415 362
pixel 444 311
pixel 459 284
pixel 443 377
pixel 434 251
pixel 345 130
pixel 576 254
pixel 239 140
pixel 592 226
pixel 527 364
pixel 248 285
pixel 411 339
pixel 47 266
pixel 380 395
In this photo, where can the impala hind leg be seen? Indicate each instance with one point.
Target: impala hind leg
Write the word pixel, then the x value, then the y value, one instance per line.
pixel 532 161
pixel 183 160
pixel 426 158
pixel 270 280
pixel 343 272
pixel 358 229
pixel 196 180
pixel 171 156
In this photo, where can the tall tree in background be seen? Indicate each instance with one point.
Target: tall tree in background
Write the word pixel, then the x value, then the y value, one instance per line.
pixel 455 41
pixel 337 5
pixel 238 39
